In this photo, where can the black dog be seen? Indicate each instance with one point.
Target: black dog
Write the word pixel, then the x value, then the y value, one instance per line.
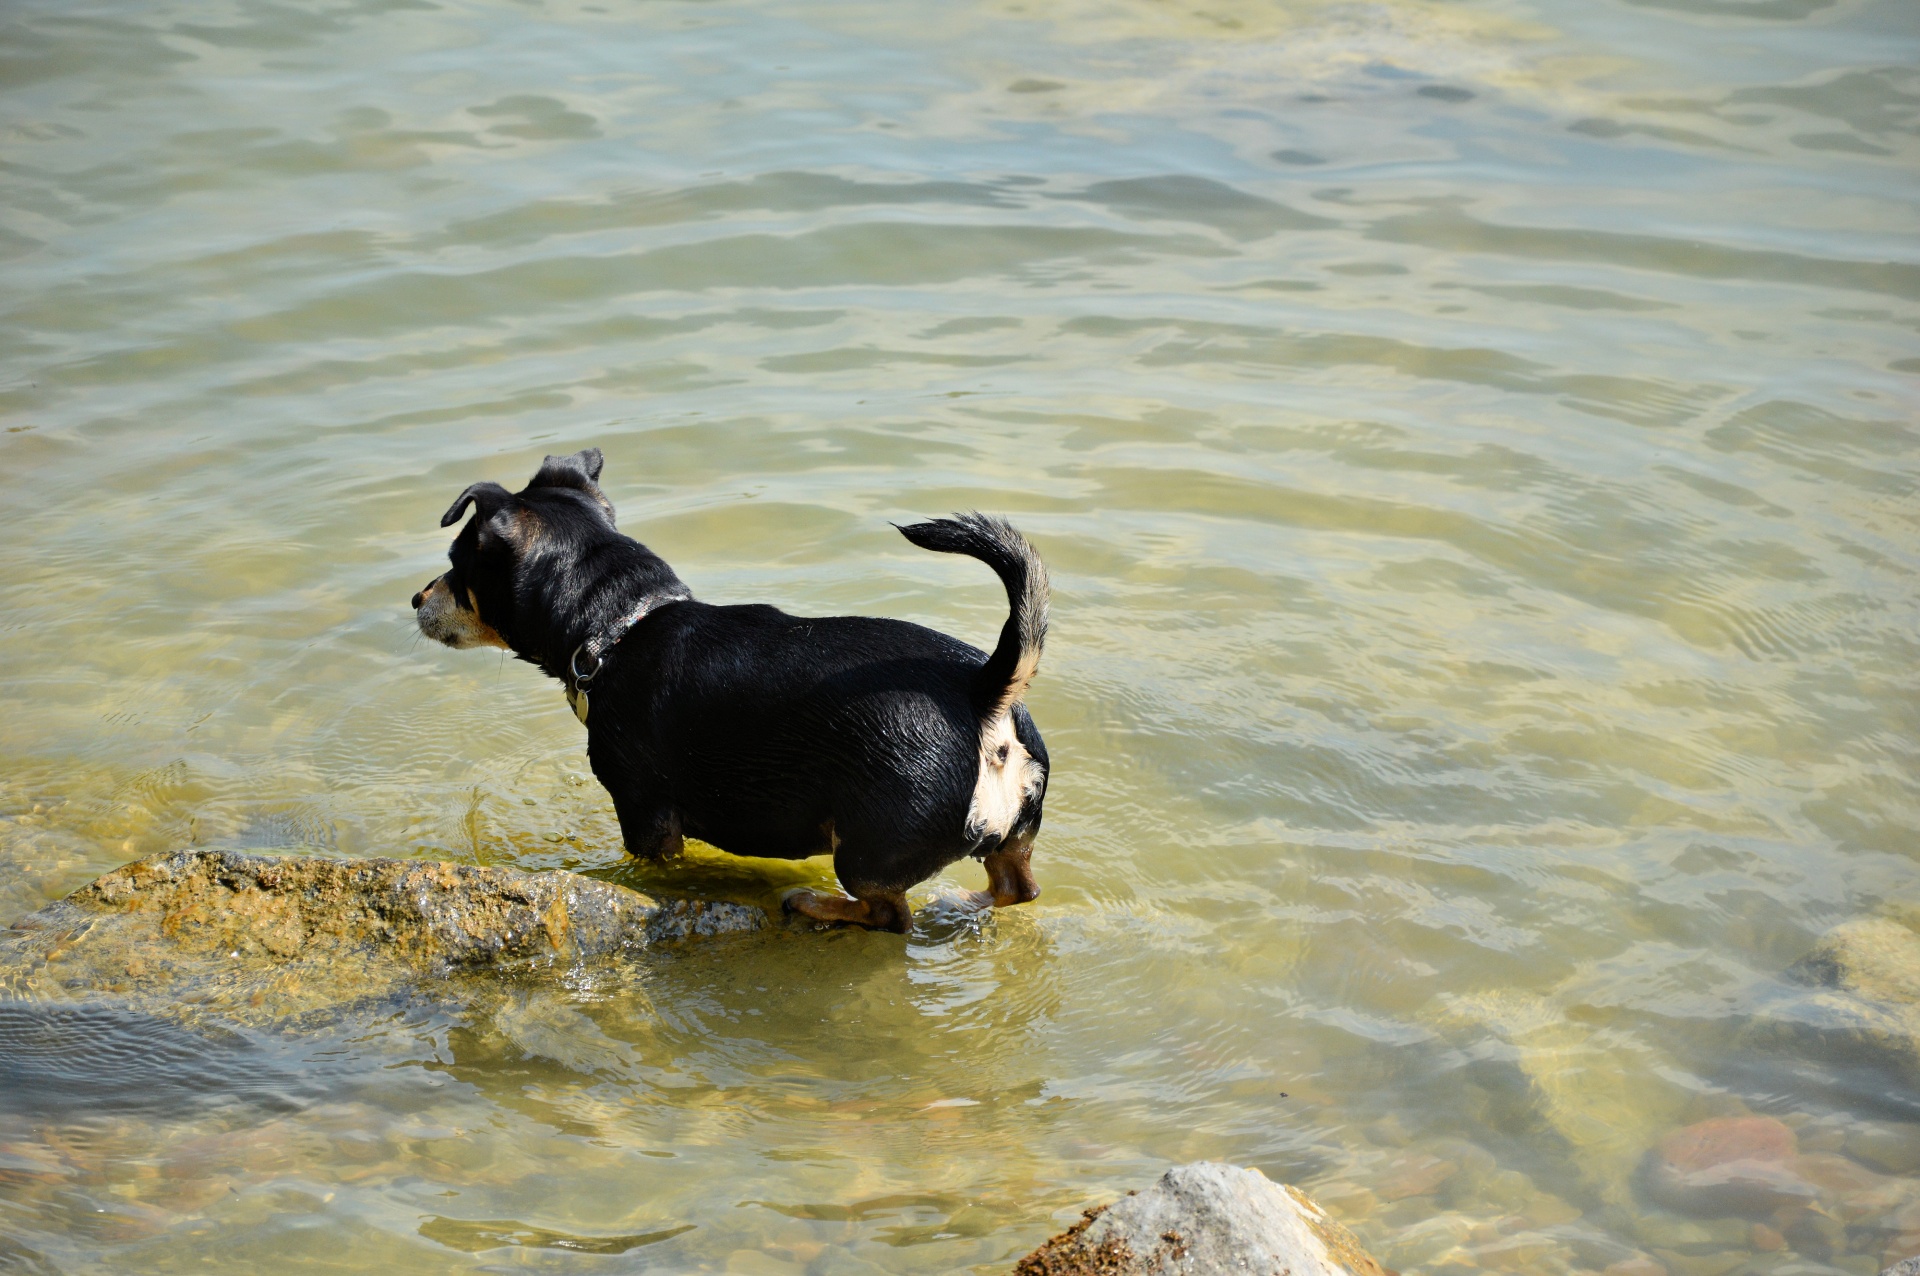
pixel 892 746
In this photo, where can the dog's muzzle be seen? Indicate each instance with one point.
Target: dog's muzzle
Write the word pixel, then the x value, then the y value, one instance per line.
pixel 443 619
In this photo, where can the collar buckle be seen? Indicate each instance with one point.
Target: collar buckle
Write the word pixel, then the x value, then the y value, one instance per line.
pixel 580 680
pixel 583 680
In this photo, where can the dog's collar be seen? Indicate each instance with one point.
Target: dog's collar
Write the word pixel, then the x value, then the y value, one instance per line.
pixel 584 665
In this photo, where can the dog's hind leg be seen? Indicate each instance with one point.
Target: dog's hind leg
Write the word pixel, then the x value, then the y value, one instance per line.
pixel 1010 872
pixel 876 910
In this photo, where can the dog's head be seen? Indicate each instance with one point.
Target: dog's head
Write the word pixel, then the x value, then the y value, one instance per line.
pixel 473 603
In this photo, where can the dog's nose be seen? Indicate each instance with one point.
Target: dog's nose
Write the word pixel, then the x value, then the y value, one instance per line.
pixel 418 599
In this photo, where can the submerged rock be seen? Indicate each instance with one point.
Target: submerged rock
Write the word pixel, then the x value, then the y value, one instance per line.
pixel 1875 957
pixel 1905 1267
pixel 1203 1218
pixel 1600 1094
pixel 1891 1148
pixel 1861 998
pixel 281 934
pixel 1730 1165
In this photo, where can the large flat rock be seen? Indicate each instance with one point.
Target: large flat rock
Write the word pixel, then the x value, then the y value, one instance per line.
pixel 267 936
pixel 1205 1218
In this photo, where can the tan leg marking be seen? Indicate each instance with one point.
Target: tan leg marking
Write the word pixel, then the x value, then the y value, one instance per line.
pixel 1009 875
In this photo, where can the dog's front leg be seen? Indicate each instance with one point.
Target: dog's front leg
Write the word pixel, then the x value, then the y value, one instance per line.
pixel 651 829
pixel 649 824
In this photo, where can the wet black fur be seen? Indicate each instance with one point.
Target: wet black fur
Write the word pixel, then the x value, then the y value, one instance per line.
pixel 743 726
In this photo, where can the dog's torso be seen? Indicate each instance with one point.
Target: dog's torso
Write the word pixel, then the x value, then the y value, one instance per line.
pixel 785 736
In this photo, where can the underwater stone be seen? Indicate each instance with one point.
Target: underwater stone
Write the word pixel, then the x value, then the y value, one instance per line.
pixel 1860 996
pixel 1693 1237
pixel 1729 1165
pixel 1894 1149
pixel 1603 1097
pixel 1875 957
pixel 1638 1265
pixel 1905 1267
pixel 1413 1174
pixel 1203 1218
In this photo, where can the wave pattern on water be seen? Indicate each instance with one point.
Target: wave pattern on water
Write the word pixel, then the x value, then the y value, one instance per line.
pixel 1473 447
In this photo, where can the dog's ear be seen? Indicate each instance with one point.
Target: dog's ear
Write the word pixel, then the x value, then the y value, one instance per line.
pixel 490 497
pixel 581 470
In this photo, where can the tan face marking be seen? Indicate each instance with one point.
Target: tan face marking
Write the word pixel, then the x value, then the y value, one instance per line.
pixel 444 620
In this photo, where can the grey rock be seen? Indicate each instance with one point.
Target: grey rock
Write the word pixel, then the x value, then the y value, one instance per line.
pixel 1205 1218
pixel 271 935
pixel 1905 1267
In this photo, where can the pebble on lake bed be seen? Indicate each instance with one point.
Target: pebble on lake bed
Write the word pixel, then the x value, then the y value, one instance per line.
pixel 1730 1165
pixel 1891 1148
pixel 1203 1218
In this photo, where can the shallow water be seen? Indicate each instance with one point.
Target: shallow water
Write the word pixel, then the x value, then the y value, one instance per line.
pixel 1474 448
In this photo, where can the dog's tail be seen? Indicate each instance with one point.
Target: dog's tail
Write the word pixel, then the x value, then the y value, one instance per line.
pixel 1004 678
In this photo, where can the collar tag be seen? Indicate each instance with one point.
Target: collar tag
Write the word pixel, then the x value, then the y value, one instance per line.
pixel 577 700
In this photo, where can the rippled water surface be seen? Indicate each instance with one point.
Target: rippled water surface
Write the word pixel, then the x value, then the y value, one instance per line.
pixel 1474 445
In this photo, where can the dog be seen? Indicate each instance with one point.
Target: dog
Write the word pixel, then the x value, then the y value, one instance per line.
pixel 893 747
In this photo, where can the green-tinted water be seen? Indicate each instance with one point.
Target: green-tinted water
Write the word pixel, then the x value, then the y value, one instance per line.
pixel 1473 444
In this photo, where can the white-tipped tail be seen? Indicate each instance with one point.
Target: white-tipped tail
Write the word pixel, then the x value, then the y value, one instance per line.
pixel 1003 680
pixel 1008 775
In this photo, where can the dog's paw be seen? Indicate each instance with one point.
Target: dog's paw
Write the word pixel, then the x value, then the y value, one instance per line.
pixel 882 912
pixel 804 909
